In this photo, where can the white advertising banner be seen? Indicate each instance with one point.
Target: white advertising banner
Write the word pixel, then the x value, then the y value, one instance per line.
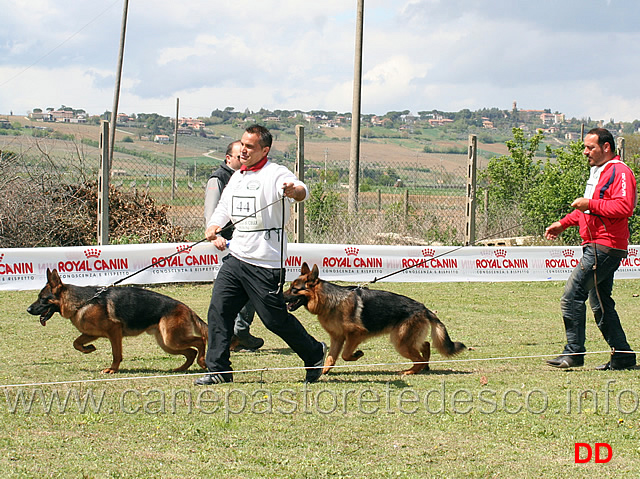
pixel 25 268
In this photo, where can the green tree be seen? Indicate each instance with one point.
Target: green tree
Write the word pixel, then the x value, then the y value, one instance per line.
pixel 322 209
pixel 560 182
pixel 511 177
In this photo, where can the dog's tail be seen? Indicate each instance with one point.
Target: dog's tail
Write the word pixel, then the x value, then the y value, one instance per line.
pixel 440 337
pixel 203 328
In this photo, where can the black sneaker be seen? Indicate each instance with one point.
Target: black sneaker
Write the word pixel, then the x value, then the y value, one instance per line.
pixel 213 378
pixel 565 362
pixel 314 372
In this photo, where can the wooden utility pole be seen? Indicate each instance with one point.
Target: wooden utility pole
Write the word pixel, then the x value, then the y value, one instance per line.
pixel 354 157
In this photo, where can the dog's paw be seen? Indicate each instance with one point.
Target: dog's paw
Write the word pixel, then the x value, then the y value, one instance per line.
pixel 109 371
pixel 358 354
pixel 88 349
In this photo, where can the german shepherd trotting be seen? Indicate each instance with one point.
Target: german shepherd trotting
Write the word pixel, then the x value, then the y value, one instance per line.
pixel 123 311
pixel 351 315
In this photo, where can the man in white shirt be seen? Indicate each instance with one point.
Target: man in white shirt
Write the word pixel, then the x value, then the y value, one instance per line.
pixel 254 268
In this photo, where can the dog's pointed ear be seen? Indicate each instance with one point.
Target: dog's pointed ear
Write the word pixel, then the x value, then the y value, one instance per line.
pixel 305 269
pixel 53 278
pixel 314 273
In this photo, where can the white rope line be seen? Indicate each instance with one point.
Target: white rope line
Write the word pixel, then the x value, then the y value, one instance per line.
pixel 292 368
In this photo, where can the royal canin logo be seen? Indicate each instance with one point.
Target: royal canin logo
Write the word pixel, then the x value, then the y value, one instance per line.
pixel 92 253
pixel 430 261
pixel 565 260
pixel 14 268
pixel 500 262
pixel 185 258
pixel 632 260
pixel 348 262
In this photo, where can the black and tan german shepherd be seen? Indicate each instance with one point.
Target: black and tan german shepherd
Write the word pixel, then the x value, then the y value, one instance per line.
pixel 123 311
pixel 352 315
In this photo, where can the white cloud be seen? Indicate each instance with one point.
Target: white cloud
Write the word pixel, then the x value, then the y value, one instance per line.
pixel 288 54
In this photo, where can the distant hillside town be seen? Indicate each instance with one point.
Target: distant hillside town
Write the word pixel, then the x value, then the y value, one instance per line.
pixel 161 128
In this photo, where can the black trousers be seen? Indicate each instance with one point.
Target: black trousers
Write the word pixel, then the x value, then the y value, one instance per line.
pixel 238 282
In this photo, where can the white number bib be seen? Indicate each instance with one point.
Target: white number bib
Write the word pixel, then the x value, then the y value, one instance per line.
pixel 244 204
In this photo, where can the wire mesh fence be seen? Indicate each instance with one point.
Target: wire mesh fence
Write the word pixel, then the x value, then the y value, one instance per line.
pixel 411 201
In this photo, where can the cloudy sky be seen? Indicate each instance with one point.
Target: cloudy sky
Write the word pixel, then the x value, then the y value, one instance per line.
pixel 579 57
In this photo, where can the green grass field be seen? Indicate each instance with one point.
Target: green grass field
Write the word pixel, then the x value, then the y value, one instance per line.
pixel 495 411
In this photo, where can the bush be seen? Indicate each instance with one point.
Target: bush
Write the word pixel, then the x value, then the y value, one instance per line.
pixel 38 209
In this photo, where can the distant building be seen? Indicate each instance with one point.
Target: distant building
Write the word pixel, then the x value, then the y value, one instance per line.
pixel 63 116
pixel 487 123
pixel 193 123
pixel 162 139
pixel 439 120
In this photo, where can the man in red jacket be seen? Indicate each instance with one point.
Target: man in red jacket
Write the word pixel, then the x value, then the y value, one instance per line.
pixel 603 218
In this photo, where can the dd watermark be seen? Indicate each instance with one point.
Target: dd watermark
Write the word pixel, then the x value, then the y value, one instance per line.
pixel 583 452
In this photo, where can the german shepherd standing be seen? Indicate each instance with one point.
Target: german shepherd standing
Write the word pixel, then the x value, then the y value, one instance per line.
pixel 124 311
pixel 352 315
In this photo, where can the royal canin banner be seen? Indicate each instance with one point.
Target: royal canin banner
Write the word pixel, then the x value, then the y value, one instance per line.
pixel 25 268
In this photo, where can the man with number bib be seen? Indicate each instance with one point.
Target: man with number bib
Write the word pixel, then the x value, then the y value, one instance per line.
pixel 254 268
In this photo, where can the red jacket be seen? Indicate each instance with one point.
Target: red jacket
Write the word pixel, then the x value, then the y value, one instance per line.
pixel 610 207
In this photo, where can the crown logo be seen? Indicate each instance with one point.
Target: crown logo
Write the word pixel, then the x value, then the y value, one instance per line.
pixel 428 252
pixel 185 248
pixel 568 253
pixel 501 253
pixel 632 252
pixel 351 251
pixel 92 253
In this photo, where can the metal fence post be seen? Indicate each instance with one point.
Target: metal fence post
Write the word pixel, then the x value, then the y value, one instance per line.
pixel 103 185
pixel 298 208
pixel 470 227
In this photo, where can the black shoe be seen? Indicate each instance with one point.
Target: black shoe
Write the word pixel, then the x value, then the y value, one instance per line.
pixel 555 361
pixel 616 366
pixel 565 362
pixel 314 372
pixel 249 344
pixel 213 378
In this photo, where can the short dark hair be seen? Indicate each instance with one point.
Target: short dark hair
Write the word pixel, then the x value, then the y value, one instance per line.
pixel 230 147
pixel 604 136
pixel 265 136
